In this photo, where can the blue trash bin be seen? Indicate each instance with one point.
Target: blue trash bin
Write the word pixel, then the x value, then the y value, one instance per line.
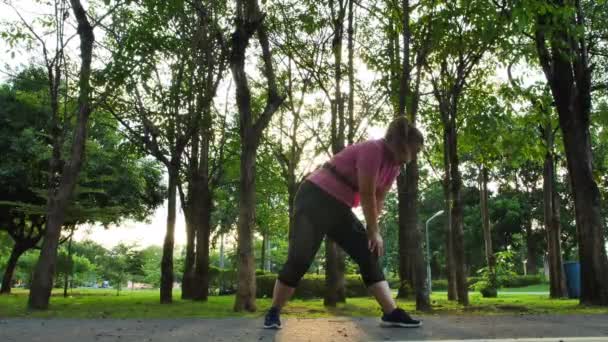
pixel 573 278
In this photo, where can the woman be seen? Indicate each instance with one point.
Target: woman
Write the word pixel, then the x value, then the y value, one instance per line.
pixel 363 173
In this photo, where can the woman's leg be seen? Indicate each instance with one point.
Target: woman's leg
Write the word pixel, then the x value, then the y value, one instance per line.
pixel 281 294
pixel 383 295
pixel 303 247
pixel 352 237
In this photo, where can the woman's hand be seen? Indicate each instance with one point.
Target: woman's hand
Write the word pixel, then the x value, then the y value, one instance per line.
pixel 375 243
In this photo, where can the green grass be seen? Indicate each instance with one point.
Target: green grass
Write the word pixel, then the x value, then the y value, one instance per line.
pixel 531 288
pixel 145 304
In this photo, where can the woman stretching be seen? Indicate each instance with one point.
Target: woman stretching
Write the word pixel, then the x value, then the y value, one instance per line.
pixel 363 173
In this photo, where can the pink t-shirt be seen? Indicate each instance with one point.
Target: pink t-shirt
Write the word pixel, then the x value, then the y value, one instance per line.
pixel 370 157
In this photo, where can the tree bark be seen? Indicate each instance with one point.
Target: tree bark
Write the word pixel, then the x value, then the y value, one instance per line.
pixel 245 296
pixel 68 272
pixel 187 280
pixel 334 274
pixel 334 256
pixel 263 251
pixel 7 279
pixel 167 277
pixel 457 216
pixel 412 265
pixel 485 220
pixel 557 282
pixel 450 262
pixel 351 74
pixel 42 282
pixel 203 208
pixel 201 286
pixel 530 250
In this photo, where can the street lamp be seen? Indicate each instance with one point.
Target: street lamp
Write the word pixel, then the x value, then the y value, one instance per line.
pixel 428 251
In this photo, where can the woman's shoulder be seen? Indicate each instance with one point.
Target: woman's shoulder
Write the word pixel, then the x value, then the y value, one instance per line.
pixel 371 144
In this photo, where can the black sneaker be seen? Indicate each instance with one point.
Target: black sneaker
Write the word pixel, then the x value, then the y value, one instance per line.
pixel 272 319
pixel 399 318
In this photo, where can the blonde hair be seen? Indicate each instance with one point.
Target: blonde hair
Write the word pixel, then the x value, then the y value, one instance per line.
pixel 400 131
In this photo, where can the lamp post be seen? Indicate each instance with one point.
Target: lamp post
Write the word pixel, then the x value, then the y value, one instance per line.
pixel 428 251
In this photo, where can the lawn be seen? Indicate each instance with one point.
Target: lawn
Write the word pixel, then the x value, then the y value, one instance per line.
pixel 145 304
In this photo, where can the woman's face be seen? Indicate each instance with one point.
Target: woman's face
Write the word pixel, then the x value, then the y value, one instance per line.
pixel 405 153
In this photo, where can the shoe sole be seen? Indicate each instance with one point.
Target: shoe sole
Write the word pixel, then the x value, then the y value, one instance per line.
pixel 272 326
pixel 400 325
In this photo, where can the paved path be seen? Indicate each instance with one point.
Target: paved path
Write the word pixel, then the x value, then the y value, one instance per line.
pixel 528 328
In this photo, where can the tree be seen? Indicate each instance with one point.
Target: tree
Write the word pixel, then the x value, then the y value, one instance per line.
pixel 118 265
pixel 467 32
pixel 58 198
pixel 206 155
pixel 566 44
pixel 250 21
pixel 158 111
pixel 542 115
pixel 115 182
pixel 485 135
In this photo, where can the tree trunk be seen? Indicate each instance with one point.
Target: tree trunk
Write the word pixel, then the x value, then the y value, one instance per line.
pixel 245 296
pixel 407 203
pixel 406 257
pixel 201 286
pixel 7 279
pixel 589 222
pixel 68 272
pixel 556 276
pixel 457 216
pixel 187 280
pixel 485 220
pixel 412 266
pixel 249 20
pixel 263 252
pixel 530 250
pixel 42 282
pixel 351 74
pixel 221 252
pixel 166 279
pixel 335 257
pixel 449 248
pixel 410 238
pixel 334 274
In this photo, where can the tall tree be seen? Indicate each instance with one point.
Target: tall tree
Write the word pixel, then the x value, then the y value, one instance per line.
pixel 542 114
pixel 468 31
pixel 62 183
pixel 159 98
pixel 250 21
pixel 203 168
pixel 410 237
pixel 566 44
pixel 406 45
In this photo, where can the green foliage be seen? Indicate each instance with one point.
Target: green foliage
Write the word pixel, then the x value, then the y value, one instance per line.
pixel 151 265
pixel 311 286
pixel 118 265
pixel 492 279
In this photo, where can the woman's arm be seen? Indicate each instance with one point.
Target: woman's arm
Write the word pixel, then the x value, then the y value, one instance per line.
pixel 380 196
pixel 369 204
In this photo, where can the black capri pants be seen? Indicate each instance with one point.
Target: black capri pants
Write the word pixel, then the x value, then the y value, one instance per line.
pixel 316 214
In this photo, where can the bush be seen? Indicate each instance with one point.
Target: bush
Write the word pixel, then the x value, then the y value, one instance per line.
pixel 311 286
pixel 524 280
pixel 440 285
pixel 222 281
